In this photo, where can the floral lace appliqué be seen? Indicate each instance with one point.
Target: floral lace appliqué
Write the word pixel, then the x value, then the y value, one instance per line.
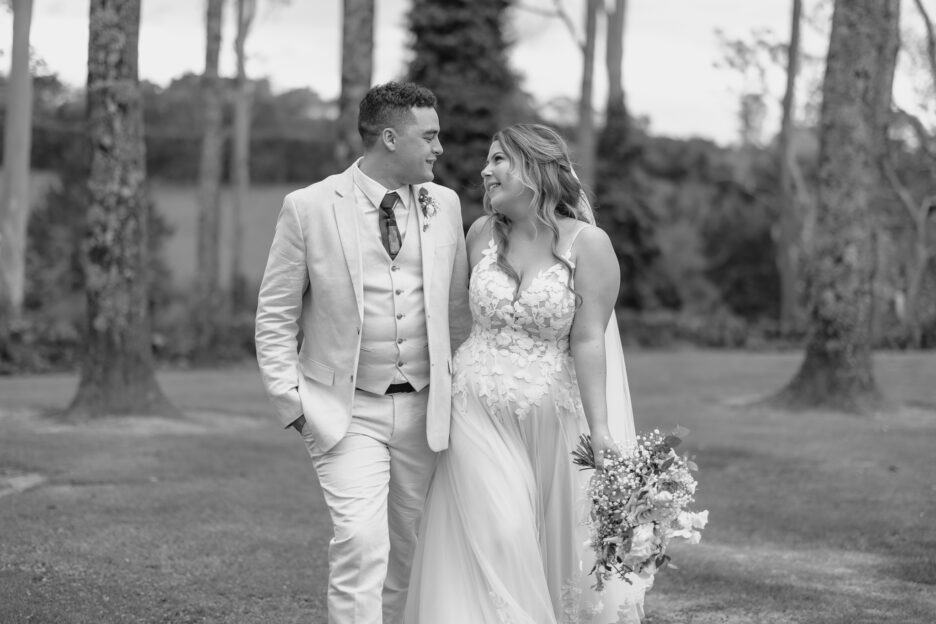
pixel 519 343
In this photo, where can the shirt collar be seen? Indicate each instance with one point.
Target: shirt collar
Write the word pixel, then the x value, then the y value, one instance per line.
pixel 374 190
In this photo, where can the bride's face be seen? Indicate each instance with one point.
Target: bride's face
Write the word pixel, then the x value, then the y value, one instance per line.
pixel 502 186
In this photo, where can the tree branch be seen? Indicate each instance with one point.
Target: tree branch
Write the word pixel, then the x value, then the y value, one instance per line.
pixel 560 13
pixel 899 189
pixel 803 195
pixel 918 211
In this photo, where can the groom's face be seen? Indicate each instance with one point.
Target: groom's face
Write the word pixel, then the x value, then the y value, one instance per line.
pixel 418 146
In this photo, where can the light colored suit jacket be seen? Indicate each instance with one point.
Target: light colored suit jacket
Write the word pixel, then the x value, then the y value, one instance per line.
pixel 313 285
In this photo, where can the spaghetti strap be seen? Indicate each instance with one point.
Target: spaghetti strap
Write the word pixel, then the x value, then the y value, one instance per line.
pixel 568 252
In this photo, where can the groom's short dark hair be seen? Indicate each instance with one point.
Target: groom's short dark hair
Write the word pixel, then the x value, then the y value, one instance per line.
pixel 388 105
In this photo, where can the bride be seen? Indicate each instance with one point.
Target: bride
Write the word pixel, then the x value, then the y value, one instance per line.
pixel 503 539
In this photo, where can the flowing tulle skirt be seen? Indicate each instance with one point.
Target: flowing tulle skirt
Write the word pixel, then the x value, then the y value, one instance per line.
pixel 503 538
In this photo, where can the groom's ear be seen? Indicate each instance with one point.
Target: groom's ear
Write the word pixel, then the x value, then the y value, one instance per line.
pixel 389 138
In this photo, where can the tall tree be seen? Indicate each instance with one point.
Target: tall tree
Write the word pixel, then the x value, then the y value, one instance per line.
pixel 460 52
pixel 585 133
pixel 357 66
pixel 586 146
pixel 14 185
pixel 621 188
pixel 919 253
pixel 787 261
pixel 209 183
pixel 837 370
pixel 616 122
pixel 240 164
pixel 118 374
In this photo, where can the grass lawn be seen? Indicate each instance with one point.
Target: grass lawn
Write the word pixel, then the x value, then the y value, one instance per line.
pixel 816 518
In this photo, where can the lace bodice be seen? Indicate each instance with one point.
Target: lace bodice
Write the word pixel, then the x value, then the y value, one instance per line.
pixel 537 317
pixel 519 341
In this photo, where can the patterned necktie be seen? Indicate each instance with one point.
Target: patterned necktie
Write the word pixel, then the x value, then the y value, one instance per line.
pixel 389 232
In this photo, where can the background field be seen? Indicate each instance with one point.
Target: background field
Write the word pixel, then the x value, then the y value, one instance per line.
pixel 178 204
pixel 815 517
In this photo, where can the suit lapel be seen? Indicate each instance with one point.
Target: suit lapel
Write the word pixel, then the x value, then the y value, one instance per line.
pixel 427 248
pixel 346 218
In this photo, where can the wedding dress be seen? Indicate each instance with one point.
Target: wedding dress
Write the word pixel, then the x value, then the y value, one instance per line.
pixel 503 539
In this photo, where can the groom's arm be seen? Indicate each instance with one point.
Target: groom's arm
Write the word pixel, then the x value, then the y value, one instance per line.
pixel 279 306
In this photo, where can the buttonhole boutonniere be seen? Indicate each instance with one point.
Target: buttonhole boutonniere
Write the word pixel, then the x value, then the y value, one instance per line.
pixel 430 207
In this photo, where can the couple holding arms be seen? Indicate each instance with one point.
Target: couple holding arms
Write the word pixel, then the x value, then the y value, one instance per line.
pixel 440 381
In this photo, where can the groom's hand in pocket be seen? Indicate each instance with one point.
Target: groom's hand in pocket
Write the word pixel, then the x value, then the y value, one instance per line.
pixel 298 424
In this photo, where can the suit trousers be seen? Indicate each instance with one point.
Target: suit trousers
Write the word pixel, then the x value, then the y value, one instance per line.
pixel 375 482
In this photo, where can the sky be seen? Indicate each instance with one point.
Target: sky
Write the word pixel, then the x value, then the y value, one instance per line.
pixel 670 56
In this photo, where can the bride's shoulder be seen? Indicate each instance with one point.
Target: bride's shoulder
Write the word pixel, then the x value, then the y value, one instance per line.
pixel 571 231
pixel 480 230
pixel 478 238
pixel 590 242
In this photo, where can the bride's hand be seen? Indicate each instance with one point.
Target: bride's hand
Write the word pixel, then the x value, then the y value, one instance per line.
pixel 603 446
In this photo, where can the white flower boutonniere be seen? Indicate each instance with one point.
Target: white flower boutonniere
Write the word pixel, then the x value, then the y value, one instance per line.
pixel 430 207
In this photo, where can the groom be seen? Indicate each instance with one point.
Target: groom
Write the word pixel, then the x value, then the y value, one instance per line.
pixel 369 268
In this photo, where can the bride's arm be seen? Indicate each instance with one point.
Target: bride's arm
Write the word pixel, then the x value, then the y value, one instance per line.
pixel 597 280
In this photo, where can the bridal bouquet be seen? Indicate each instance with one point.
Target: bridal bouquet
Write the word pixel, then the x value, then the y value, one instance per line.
pixel 638 504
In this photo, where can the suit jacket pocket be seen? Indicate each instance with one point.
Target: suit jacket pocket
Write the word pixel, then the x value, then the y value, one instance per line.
pixel 316 371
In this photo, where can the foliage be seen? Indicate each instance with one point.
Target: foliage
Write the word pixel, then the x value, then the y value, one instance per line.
pixel 174 334
pixel 626 210
pixel 739 246
pixel 756 62
pixel 58 119
pixel 51 336
pixel 291 133
pixel 692 222
pixel 460 52
pixel 631 222
pixel 292 138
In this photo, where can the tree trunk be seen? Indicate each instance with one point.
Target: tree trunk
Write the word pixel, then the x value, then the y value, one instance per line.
pixel 613 145
pixel 240 155
pixel 357 66
pixel 916 271
pixel 614 56
pixel 118 375
pixel 920 255
pixel 585 139
pixel 837 370
pixel 209 183
pixel 787 243
pixel 14 185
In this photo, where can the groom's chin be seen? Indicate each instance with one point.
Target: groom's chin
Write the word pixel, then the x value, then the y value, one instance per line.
pixel 427 176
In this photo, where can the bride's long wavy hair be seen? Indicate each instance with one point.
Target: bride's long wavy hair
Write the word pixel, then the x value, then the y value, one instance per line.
pixel 540 158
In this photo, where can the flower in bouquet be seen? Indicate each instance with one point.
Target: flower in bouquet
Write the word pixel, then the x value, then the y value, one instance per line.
pixel 639 501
